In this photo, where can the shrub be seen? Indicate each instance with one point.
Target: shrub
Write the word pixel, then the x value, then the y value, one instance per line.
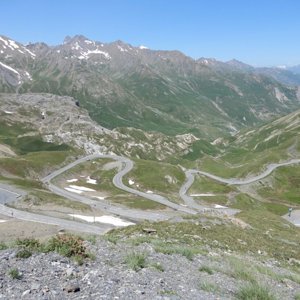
pixel 28 243
pixel 158 267
pixel 136 261
pixel 92 239
pixel 14 273
pixel 79 260
pixel 254 291
pixel 24 253
pixel 206 269
pixel 67 245
pixel 3 246
pixel 112 238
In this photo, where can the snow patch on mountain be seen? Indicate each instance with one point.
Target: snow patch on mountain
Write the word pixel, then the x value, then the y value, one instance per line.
pixel 4 41
pixel 13 44
pixel 233 130
pixel 122 49
pixel 143 47
pixel 28 75
pixel 9 68
pixel 76 46
pixel 85 55
pixel 31 53
pixel 89 42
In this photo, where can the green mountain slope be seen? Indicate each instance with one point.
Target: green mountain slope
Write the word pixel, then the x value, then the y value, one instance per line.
pixel 166 91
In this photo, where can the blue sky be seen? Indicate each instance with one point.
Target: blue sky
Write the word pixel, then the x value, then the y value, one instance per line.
pixel 264 32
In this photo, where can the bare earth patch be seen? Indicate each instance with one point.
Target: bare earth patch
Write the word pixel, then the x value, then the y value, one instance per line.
pixel 6 151
pixel 112 165
pixel 13 229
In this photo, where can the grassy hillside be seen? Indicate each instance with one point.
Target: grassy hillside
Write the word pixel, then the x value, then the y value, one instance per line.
pixel 103 171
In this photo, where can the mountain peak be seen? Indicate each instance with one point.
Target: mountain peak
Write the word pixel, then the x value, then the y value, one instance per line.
pixel 239 65
pixel 77 38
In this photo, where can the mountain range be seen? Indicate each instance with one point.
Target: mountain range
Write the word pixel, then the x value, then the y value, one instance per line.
pixel 125 86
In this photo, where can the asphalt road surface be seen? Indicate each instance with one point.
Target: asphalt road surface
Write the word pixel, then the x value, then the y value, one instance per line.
pixel 190 176
pixel 9 194
pixel 118 182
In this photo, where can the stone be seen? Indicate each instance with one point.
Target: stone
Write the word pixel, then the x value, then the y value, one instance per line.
pixel 149 230
pixel 72 288
pixel 69 272
pixel 61 232
pixel 35 286
pixel 25 293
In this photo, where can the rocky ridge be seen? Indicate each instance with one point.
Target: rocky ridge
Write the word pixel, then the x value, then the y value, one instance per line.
pixel 60 120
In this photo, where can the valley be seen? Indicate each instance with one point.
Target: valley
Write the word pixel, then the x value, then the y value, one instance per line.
pixel 151 155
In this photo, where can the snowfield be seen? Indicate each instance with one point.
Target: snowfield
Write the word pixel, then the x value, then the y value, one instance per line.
pixel 104 219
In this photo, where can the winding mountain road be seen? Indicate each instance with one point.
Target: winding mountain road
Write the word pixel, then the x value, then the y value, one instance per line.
pixel 235 181
pixel 190 177
pixel 118 182
pixel 9 194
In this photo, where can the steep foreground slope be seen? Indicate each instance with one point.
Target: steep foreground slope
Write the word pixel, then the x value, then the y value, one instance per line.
pixel 208 258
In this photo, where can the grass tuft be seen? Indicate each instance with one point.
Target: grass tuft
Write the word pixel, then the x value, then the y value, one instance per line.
pixel 14 273
pixel 24 253
pixel 175 249
pixel 206 269
pixel 254 291
pixel 28 243
pixel 3 246
pixel 158 267
pixel 208 287
pixel 136 261
pixel 242 271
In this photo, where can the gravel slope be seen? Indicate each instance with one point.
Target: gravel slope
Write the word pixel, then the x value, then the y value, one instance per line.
pixel 47 276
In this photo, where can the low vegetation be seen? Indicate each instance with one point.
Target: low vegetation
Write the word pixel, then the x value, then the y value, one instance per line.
pixel 66 244
pixel 14 273
pixel 241 271
pixel 161 178
pixel 3 246
pixel 157 266
pixel 185 251
pixel 252 232
pixel 136 261
pixel 40 197
pixel 282 186
pixel 98 170
pixel 254 291
pixel 209 287
pixel 206 269
pixel 23 253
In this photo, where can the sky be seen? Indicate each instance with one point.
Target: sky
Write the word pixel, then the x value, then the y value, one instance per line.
pixel 257 32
